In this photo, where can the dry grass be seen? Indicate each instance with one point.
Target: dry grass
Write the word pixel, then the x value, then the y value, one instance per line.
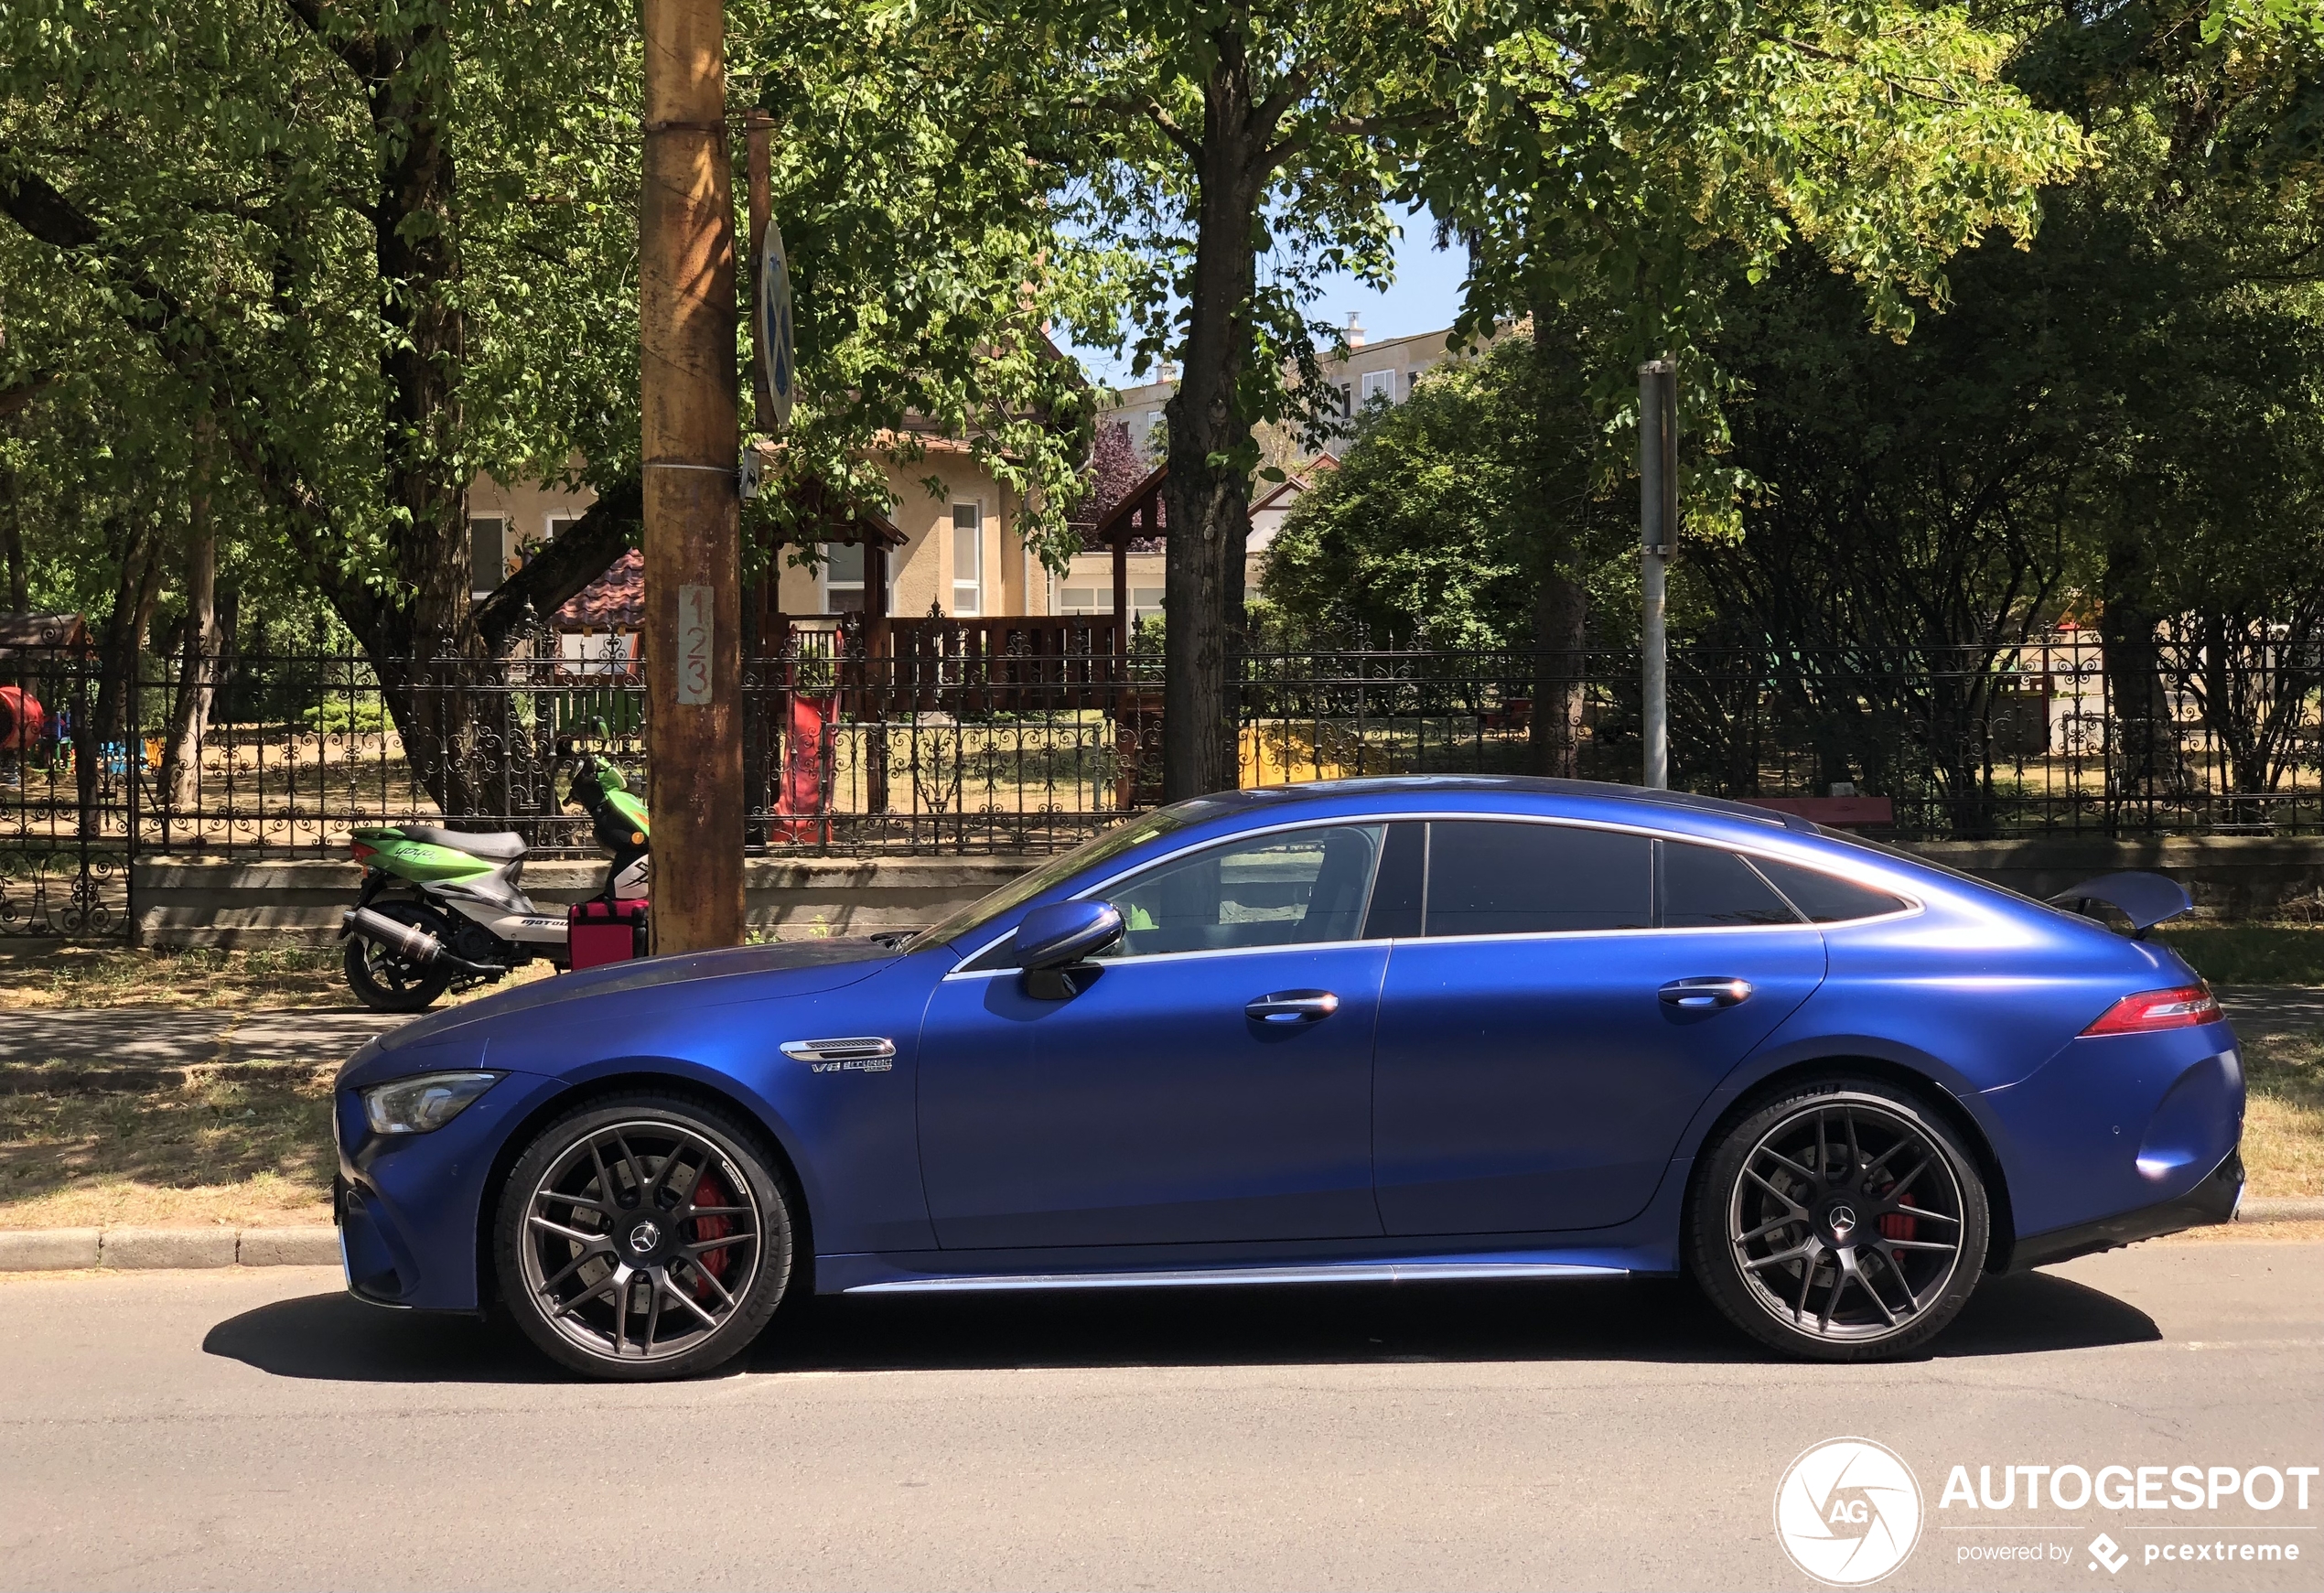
pixel 45 977
pixel 234 1143
pixel 2279 953
pixel 2284 1127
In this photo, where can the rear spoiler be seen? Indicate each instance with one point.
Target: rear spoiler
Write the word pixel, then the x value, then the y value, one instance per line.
pixel 2147 899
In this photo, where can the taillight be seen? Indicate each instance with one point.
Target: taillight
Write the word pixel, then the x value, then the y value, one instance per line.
pixel 2183 1006
pixel 363 851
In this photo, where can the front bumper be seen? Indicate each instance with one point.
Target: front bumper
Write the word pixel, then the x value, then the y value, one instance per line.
pixel 409 1205
pixel 2212 1201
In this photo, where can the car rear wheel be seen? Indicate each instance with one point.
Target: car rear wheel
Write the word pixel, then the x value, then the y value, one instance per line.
pixel 643 1236
pixel 1841 1220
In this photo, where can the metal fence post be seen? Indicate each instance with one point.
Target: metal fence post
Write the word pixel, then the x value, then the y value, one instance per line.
pixel 1658 530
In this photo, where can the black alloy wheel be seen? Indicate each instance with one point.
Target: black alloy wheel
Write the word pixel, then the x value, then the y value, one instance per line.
pixel 643 1236
pixel 1842 1221
pixel 386 983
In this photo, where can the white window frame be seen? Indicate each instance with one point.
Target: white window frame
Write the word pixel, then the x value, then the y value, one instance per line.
pixel 1380 385
pixel 825 585
pixel 972 581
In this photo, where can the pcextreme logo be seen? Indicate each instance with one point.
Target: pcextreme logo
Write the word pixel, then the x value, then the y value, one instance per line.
pixel 1849 1512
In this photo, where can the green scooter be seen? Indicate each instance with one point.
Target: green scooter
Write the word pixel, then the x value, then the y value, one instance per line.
pixel 442 909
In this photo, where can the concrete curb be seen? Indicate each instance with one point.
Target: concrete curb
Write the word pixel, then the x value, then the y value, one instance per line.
pixel 2296 1209
pixel 152 1249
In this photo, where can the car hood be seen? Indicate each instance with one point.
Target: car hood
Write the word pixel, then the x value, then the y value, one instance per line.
pixel 814 965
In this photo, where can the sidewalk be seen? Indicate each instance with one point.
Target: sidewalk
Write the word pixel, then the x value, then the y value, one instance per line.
pixel 156 1037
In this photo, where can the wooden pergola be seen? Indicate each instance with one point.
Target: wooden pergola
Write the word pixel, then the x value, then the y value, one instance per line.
pixel 875 534
pixel 1138 516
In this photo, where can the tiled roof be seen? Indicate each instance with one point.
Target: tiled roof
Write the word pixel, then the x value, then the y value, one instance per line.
pixel 614 600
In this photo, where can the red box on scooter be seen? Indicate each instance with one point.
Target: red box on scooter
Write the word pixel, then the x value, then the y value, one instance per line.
pixel 605 931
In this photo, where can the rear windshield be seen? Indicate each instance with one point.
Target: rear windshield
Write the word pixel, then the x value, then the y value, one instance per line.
pixel 1058 869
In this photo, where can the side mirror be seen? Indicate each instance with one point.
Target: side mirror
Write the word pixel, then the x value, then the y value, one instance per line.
pixel 1053 939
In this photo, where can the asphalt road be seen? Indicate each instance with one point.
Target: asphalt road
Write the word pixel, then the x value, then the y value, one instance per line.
pixel 259 1429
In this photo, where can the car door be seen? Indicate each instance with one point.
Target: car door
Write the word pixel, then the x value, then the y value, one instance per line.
pixel 1567 998
pixel 1168 1100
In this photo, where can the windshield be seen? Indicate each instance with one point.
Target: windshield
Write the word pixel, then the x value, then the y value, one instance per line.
pixel 1063 866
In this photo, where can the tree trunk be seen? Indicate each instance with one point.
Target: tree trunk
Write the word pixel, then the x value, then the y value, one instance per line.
pixel 1560 619
pixel 1207 493
pixel 1560 603
pixel 2144 750
pixel 134 590
pixel 190 713
pixel 12 540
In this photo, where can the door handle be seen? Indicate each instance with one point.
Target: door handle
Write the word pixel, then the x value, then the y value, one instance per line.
pixel 1700 994
pixel 1289 1006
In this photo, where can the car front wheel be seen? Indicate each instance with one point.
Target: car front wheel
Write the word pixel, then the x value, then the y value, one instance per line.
pixel 643 1236
pixel 1841 1220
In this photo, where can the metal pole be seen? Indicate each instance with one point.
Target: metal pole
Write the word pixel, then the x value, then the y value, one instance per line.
pixel 691 445
pixel 1658 525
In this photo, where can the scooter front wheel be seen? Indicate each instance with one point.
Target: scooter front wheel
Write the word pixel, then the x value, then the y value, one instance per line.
pixel 386 983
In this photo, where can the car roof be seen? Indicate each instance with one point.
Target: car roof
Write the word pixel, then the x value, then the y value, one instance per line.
pixel 1522 785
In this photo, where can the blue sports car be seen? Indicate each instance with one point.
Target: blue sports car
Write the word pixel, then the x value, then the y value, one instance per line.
pixel 1401 1028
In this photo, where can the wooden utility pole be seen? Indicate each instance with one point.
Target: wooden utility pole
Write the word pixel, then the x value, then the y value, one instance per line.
pixel 692 445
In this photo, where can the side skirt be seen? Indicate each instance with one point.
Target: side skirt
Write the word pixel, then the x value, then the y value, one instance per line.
pixel 1415 1271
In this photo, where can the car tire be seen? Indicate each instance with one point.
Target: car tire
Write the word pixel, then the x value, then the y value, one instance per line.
pixel 389 984
pixel 1839 1220
pixel 643 1236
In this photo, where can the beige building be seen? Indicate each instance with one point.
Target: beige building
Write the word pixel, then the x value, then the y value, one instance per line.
pixel 1386 371
pixel 962 550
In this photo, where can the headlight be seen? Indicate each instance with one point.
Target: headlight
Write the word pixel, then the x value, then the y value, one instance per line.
pixel 422 1102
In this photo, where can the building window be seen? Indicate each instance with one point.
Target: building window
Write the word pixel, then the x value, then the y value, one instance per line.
pixel 1145 603
pixel 558 524
pixel 1346 399
pixel 1087 601
pixel 968 558
pixel 843 578
pixel 1380 385
pixel 487 551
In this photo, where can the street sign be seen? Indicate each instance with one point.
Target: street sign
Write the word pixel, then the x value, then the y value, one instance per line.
pixel 772 333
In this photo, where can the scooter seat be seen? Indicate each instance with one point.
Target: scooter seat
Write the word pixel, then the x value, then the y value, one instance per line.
pixel 497 846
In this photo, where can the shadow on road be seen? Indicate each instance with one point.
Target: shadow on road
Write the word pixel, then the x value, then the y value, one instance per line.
pixel 333 1337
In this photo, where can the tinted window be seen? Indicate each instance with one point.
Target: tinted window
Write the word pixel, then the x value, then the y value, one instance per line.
pixel 1826 899
pixel 1704 888
pixel 1273 890
pixel 1487 878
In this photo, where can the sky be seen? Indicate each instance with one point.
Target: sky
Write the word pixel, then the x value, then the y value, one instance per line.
pixel 1424 297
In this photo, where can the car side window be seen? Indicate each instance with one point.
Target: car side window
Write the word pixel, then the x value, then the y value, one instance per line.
pixel 1488 878
pixel 1294 888
pixel 1703 887
pixel 1825 898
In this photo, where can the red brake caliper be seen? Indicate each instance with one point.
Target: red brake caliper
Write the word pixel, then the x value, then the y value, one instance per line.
pixel 1898 1224
pixel 709 1191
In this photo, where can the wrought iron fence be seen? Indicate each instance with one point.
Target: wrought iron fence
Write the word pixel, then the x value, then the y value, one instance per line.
pixel 934 737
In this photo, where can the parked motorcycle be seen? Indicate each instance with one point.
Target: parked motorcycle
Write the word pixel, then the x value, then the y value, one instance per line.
pixel 443 909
